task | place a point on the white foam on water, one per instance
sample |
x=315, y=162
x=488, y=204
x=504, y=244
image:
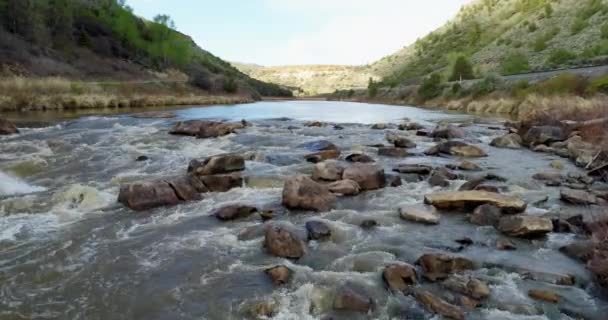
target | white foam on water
x=496, y=314
x=26, y=225
x=10, y=185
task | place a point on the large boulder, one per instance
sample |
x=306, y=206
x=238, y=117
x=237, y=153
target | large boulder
x=345, y=187
x=301, y=192
x=147, y=195
x=283, y=242
x=419, y=213
x=219, y=164
x=187, y=188
x=457, y=148
x=448, y=132
x=222, y=182
x=525, y=226
x=233, y=212
x=437, y=266
x=439, y=306
x=399, y=141
x=486, y=215
x=473, y=199
x=329, y=170
x=544, y=135
x=349, y=298
x=204, y=128
x=509, y=141
x=398, y=277
x=368, y=176
x=7, y=127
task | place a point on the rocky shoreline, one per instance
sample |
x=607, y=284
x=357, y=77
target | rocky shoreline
x=335, y=175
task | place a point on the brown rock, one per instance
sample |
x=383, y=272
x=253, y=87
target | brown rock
x=281, y=242
x=399, y=277
x=329, y=170
x=505, y=245
x=464, y=199
x=219, y=164
x=544, y=135
x=322, y=156
x=419, y=213
x=147, y=195
x=379, y=126
x=393, y=180
x=351, y=299
x=415, y=168
x=368, y=176
x=345, y=187
x=439, y=306
x=205, y=129
x=438, y=266
x=457, y=148
x=509, y=141
x=525, y=226
x=318, y=230
x=393, y=152
x=7, y=127
x=301, y=192
x=471, y=287
x=279, y=275
x=187, y=188
x=233, y=212
x=319, y=145
x=544, y=295
x=578, y=197
x=468, y=166
x=222, y=182
x=359, y=157
x=447, y=132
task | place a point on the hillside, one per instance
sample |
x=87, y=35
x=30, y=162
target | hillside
x=506, y=37
x=311, y=79
x=103, y=40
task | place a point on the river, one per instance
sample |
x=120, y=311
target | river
x=69, y=251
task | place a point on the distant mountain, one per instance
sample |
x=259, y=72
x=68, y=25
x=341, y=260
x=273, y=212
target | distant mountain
x=103, y=40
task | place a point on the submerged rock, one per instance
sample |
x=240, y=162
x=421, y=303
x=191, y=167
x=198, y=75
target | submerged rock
x=368, y=176
x=319, y=145
x=283, y=242
x=393, y=152
x=318, y=230
x=544, y=295
x=419, y=213
x=438, y=266
x=219, y=164
x=359, y=157
x=301, y=192
x=525, y=226
x=471, y=287
x=399, y=277
x=349, y=298
x=7, y=127
x=345, y=187
x=509, y=141
x=448, y=132
x=472, y=199
x=279, y=275
x=233, y=212
x=439, y=306
x=322, y=156
x=329, y=170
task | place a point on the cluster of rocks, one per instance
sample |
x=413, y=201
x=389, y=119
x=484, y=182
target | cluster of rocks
x=205, y=128
x=7, y=127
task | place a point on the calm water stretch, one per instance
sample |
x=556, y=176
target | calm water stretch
x=69, y=251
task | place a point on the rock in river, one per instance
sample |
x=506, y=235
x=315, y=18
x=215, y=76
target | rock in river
x=399, y=276
x=345, y=187
x=471, y=287
x=319, y=145
x=329, y=170
x=438, y=266
x=222, y=182
x=393, y=152
x=322, y=156
x=457, y=148
x=318, y=230
x=525, y=226
x=472, y=199
x=279, y=275
x=205, y=129
x=486, y=215
x=578, y=197
x=147, y=195
x=439, y=306
x=419, y=213
x=359, y=157
x=7, y=127
x=301, y=192
x=352, y=299
x=368, y=176
x=219, y=164
x=509, y=141
x=544, y=135
x=283, y=242
x=448, y=132
x=544, y=295
x=233, y=212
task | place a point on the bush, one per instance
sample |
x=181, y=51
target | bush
x=230, y=86
x=579, y=25
x=372, y=88
x=600, y=49
x=565, y=83
x=461, y=70
x=201, y=80
x=515, y=62
x=431, y=87
x=532, y=27
x=559, y=57
x=604, y=31
x=599, y=85
x=486, y=86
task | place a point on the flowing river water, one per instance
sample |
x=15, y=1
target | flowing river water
x=69, y=251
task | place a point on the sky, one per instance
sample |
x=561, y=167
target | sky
x=299, y=32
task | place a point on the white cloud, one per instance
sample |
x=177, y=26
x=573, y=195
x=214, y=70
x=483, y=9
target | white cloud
x=357, y=31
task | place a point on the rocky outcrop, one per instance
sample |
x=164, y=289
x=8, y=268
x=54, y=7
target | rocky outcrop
x=349, y=298
x=419, y=213
x=329, y=170
x=318, y=230
x=283, y=242
x=368, y=176
x=399, y=277
x=233, y=212
x=7, y=127
x=525, y=226
x=345, y=187
x=218, y=164
x=205, y=129
x=437, y=266
x=279, y=275
x=473, y=199
x=544, y=135
x=439, y=306
x=301, y=192
x=509, y=141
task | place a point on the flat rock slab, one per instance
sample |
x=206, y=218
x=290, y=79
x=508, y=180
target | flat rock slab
x=205, y=128
x=419, y=213
x=439, y=306
x=525, y=226
x=472, y=199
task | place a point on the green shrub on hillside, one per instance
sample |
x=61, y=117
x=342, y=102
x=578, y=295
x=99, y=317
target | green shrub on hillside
x=548, y=10
x=560, y=57
x=579, y=25
x=489, y=84
x=372, y=88
x=599, y=85
x=600, y=49
x=431, y=87
x=604, y=31
x=461, y=69
x=541, y=42
x=230, y=86
x=532, y=27
x=565, y=83
x=515, y=62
